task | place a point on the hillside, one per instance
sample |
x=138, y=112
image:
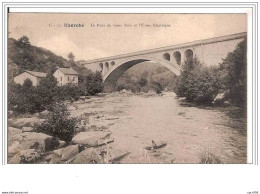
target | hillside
x=28, y=57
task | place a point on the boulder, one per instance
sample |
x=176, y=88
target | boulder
x=29, y=156
x=219, y=99
x=90, y=138
x=88, y=156
x=51, y=143
x=58, y=152
x=156, y=145
x=151, y=92
x=14, y=148
x=105, y=141
x=115, y=155
x=31, y=140
x=27, y=122
x=69, y=152
x=25, y=156
x=27, y=129
x=15, y=159
x=53, y=159
x=12, y=133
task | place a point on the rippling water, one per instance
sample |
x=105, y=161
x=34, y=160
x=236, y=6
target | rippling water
x=193, y=134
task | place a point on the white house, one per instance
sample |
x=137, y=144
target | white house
x=66, y=76
x=35, y=77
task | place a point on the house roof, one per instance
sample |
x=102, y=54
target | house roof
x=36, y=74
x=68, y=71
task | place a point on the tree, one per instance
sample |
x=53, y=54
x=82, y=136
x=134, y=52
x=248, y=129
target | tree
x=23, y=42
x=71, y=56
x=236, y=78
x=23, y=55
x=197, y=83
x=48, y=90
x=92, y=83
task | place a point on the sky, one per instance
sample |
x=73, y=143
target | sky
x=105, y=35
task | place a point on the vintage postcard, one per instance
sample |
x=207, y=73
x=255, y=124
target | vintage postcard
x=127, y=88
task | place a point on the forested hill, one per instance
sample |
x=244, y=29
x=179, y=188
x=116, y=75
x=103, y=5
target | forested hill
x=29, y=57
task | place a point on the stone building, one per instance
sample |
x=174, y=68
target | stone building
x=34, y=76
x=66, y=76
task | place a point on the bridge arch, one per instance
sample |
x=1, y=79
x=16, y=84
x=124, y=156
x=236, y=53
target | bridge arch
x=112, y=63
x=188, y=54
x=167, y=56
x=100, y=67
x=117, y=70
x=177, y=57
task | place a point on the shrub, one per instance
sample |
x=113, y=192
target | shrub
x=92, y=83
x=67, y=92
x=197, y=83
x=143, y=82
x=58, y=124
x=235, y=80
x=24, y=99
x=157, y=87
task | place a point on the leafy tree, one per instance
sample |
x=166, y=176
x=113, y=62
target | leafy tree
x=58, y=124
x=71, y=56
x=197, y=83
x=92, y=83
x=236, y=78
x=48, y=90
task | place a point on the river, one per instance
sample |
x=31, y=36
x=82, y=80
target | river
x=193, y=134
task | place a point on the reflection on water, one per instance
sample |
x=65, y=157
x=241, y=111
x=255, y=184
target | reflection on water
x=192, y=133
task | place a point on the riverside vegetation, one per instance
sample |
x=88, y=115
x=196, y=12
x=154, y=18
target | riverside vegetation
x=41, y=129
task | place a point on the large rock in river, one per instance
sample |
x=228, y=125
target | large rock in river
x=12, y=132
x=88, y=156
x=69, y=152
x=27, y=122
x=25, y=156
x=91, y=138
x=29, y=140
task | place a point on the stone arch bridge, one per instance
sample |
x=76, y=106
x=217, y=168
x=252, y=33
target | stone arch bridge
x=209, y=51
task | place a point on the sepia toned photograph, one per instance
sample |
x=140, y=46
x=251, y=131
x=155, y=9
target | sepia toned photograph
x=127, y=88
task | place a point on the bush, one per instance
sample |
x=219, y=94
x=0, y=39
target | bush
x=197, y=83
x=157, y=87
x=235, y=80
x=92, y=83
x=58, y=124
x=24, y=99
x=31, y=99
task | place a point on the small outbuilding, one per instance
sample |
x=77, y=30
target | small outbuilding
x=66, y=76
x=34, y=76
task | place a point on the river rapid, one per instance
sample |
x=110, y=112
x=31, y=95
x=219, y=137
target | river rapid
x=194, y=134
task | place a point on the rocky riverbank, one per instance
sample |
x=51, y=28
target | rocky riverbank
x=91, y=143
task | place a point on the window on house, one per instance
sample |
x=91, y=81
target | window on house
x=68, y=78
x=60, y=78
